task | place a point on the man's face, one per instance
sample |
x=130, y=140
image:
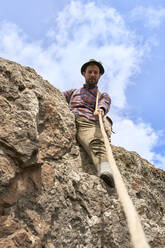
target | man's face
x=92, y=74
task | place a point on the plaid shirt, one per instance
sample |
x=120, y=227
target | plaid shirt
x=82, y=101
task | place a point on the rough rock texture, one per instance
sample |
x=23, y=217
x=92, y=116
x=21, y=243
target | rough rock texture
x=50, y=195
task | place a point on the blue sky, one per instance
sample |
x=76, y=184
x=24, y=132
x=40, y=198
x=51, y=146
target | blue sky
x=56, y=37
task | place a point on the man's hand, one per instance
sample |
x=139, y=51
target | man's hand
x=97, y=112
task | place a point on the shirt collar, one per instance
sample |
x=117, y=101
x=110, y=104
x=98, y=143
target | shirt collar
x=93, y=89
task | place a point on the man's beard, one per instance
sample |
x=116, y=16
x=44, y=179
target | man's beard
x=90, y=85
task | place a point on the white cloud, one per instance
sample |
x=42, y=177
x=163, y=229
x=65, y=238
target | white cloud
x=135, y=137
x=87, y=31
x=139, y=137
x=14, y=45
x=82, y=32
x=160, y=161
x=151, y=17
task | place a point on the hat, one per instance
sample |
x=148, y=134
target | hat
x=93, y=61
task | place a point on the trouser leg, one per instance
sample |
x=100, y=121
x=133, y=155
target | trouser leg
x=90, y=137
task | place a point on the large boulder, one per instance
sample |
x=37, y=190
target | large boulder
x=50, y=195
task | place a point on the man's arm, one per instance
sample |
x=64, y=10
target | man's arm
x=68, y=94
x=104, y=103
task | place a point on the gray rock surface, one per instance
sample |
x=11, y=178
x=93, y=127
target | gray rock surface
x=50, y=195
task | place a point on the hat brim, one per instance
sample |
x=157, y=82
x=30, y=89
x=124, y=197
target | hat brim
x=84, y=66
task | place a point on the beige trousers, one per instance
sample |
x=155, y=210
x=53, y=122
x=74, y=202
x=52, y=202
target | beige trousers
x=90, y=137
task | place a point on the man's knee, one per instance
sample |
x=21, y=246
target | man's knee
x=97, y=146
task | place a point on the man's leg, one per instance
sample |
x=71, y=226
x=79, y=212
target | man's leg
x=90, y=137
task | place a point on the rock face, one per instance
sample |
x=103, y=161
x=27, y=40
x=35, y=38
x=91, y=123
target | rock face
x=50, y=195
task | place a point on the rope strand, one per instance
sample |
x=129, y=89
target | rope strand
x=135, y=228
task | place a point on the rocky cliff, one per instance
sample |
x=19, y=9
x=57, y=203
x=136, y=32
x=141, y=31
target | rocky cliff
x=50, y=195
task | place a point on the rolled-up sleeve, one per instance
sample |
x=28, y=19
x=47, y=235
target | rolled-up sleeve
x=68, y=94
x=104, y=102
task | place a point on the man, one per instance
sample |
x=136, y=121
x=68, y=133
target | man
x=82, y=103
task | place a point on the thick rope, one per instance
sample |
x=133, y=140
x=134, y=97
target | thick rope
x=135, y=228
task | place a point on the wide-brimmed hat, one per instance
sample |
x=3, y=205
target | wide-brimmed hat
x=92, y=61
